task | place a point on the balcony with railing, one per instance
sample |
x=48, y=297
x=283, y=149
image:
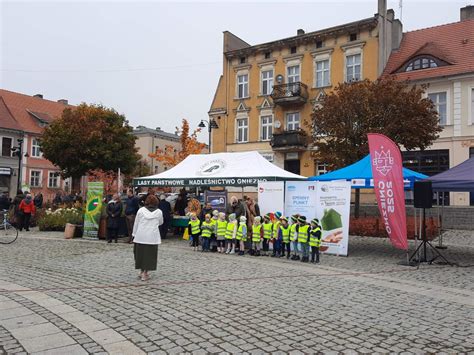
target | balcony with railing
x=290, y=94
x=289, y=141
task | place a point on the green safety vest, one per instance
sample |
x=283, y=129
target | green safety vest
x=195, y=226
x=267, y=230
x=240, y=232
x=207, y=229
x=285, y=232
x=314, y=240
x=229, y=233
x=221, y=228
x=293, y=232
x=303, y=233
x=256, y=233
x=276, y=228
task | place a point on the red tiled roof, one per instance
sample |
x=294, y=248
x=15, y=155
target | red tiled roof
x=452, y=43
x=6, y=118
x=24, y=108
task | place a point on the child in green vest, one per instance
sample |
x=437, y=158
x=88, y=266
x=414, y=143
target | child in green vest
x=294, y=236
x=221, y=227
x=284, y=236
x=277, y=243
x=315, y=239
x=207, y=228
x=303, y=236
x=257, y=235
x=267, y=227
x=194, y=230
x=230, y=233
x=241, y=236
x=213, y=243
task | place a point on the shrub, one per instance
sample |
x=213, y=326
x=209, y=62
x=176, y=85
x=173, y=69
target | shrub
x=56, y=220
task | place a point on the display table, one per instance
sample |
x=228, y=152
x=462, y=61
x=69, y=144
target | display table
x=179, y=221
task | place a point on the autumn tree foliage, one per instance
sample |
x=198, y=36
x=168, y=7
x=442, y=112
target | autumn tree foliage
x=90, y=137
x=395, y=109
x=109, y=178
x=170, y=157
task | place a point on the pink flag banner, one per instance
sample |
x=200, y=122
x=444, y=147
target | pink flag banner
x=386, y=162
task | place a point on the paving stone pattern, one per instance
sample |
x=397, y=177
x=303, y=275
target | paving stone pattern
x=208, y=303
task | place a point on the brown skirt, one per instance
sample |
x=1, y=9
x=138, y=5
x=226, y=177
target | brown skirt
x=146, y=256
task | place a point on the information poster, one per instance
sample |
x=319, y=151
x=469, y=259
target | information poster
x=271, y=196
x=95, y=191
x=333, y=211
x=217, y=199
x=300, y=198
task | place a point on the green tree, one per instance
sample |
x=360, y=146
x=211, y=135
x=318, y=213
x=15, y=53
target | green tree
x=90, y=137
x=399, y=111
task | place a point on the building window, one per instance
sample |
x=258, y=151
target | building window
x=267, y=127
x=243, y=60
x=267, y=82
x=53, y=180
x=320, y=168
x=292, y=121
x=293, y=50
x=319, y=44
x=353, y=37
x=322, y=73
x=353, y=68
x=421, y=63
x=268, y=55
x=293, y=74
x=440, y=103
x=7, y=144
x=243, y=85
x=35, y=178
x=242, y=130
x=472, y=106
x=35, y=148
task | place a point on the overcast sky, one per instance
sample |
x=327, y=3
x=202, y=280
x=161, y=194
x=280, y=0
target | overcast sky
x=159, y=61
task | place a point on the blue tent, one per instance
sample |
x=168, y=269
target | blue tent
x=360, y=173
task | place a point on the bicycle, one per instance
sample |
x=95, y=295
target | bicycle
x=8, y=233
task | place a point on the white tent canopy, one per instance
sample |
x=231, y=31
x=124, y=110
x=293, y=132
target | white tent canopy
x=219, y=169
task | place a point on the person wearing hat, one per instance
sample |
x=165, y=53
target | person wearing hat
x=231, y=231
x=267, y=227
x=315, y=239
x=194, y=229
x=241, y=236
x=221, y=228
x=207, y=228
x=294, y=236
x=276, y=231
x=257, y=235
x=303, y=236
x=284, y=236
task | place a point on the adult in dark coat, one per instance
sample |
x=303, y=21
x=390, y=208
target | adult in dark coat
x=15, y=208
x=114, y=210
x=165, y=208
x=38, y=200
x=131, y=209
x=207, y=209
x=235, y=207
x=4, y=202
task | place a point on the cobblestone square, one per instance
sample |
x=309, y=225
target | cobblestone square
x=76, y=297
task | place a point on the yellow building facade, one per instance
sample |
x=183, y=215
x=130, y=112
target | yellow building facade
x=267, y=92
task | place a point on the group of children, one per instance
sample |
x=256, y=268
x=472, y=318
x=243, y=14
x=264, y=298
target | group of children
x=292, y=238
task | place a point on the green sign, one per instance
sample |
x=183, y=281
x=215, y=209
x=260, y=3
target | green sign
x=92, y=214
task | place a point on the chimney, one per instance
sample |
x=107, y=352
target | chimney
x=158, y=128
x=39, y=96
x=63, y=101
x=467, y=12
x=300, y=32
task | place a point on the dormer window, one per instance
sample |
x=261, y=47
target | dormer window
x=422, y=62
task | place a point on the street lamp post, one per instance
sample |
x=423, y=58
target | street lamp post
x=19, y=151
x=211, y=124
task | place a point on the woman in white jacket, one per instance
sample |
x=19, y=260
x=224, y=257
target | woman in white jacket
x=146, y=236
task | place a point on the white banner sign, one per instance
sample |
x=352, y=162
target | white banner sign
x=333, y=212
x=271, y=196
x=300, y=198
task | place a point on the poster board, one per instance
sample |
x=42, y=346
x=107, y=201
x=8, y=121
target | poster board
x=217, y=199
x=300, y=198
x=95, y=191
x=271, y=197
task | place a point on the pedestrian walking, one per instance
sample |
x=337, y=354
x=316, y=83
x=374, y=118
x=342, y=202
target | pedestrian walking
x=315, y=240
x=27, y=210
x=114, y=210
x=146, y=237
x=303, y=237
x=132, y=205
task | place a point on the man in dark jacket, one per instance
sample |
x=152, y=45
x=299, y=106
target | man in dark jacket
x=114, y=210
x=131, y=209
x=206, y=210
x=235, y=207
x=165, y=207
x=38, y=200
x=4, y=201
